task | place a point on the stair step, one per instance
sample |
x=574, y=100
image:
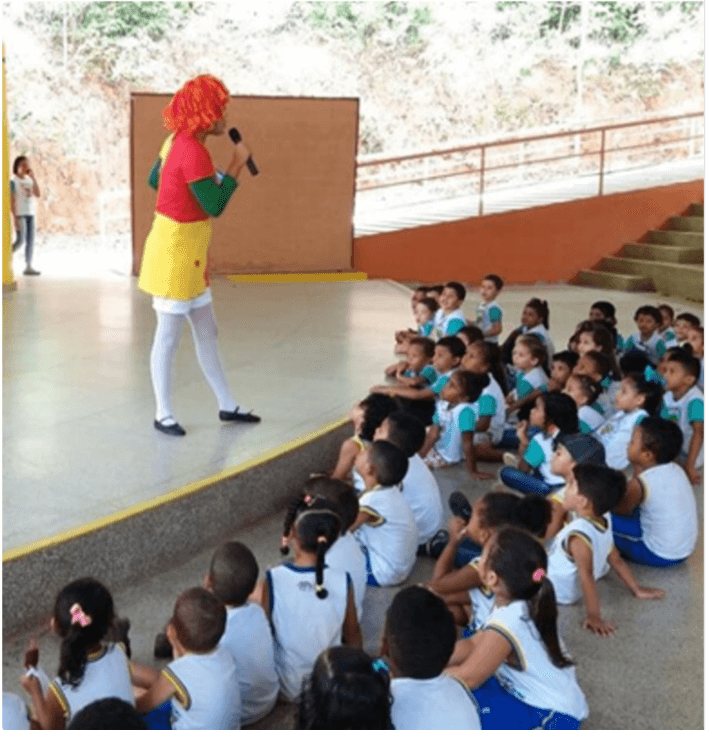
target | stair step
x=696, y=209
x=612, y=280
x=660, y=252
x=686, y=223
x=687, y=239
x=685, y=281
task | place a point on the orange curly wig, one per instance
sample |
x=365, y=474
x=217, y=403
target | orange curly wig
x=198, y=104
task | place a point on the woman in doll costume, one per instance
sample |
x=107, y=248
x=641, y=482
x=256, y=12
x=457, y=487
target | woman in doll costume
x=175, y=258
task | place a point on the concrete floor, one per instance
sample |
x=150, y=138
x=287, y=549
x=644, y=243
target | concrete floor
x=79, y=357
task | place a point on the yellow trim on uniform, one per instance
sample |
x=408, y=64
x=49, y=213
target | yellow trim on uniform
x=581, y=536
x=298, y=278
x=379, y=519
x=173, y=496
x=60, y=697
x=359, y=441
x=514, y=641
x=181, y=693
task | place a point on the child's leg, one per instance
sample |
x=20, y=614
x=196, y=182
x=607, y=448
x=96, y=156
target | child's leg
x=29, y=247
x=20, y=233
x=466, y=552
x=525, y=483
x=627, y=536
x=164, y=347
x=205, y=333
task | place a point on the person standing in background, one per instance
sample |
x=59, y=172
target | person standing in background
x=23, y=191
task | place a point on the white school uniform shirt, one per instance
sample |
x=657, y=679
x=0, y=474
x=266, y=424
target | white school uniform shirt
x=390, y=537
x=346, y=555
x=561, y=568
x=15, y=713
x=615, y=435
x=25, y=201
x=589, y=419
x=482, y=602
x=207, y=694
x=304, y=625
x=453, y=421
x=249, y=640
x=685, y=411
x=701, y=377
x=654, y=347
x=539, y=456
x=538, y=683
x=543, y=333
x=492, y=403
x=421, y=704
x=448, y=324
x=668, y=513
x=107, y=674
x=605, y=403
x=421, y=492
x=487, y=314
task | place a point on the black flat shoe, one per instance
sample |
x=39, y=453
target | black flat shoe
x=174, y=430
x=460, y=506
x=239, y=416
x=162, y=647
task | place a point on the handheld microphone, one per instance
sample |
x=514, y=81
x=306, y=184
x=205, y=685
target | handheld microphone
x=234, y=134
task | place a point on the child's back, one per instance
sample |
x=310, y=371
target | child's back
x=345, y=555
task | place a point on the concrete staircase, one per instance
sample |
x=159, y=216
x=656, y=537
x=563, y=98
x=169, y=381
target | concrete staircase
x=670, y=262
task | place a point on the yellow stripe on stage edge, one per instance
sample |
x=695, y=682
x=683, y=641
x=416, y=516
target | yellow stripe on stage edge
x=173, y=496
x=298, y=278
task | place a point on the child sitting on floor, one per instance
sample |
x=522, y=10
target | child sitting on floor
x=666, y=330
x=450, y=438
x=528, y=358
x=597, y=366
x=450, y=318
x=469, y=334
x=232, y=577
x=636, y=398
x=553, y=413
x=584, y=391
x=489, y=315
x=305, y=598
x=682, y=324
x=695, y=341
x=684, y=404
x=385, y=525
x=562, y=365
x=416, y=371
x=656, y=522
x=647, y=339
x=604, y=312
x=418, y=640
x=424, y=314
x=200, y=687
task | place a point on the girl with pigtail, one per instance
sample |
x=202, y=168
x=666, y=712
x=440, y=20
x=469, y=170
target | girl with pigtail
x=518, y=652
x=89, y=669
x=310, y=606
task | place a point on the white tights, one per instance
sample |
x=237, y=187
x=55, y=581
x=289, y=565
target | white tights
x=166, y=341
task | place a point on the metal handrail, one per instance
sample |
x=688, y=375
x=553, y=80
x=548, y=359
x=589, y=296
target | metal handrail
x=482, y=147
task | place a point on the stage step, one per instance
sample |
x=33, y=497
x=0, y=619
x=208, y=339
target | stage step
x=660, y=252
x=687, y=239
x=675, y=280
x=612, y=280
x=687, y=223
x=696, y=209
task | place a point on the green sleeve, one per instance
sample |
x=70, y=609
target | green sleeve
x=213, y=197
x=467, y=420
x=534, y=455
x=154, y=174
x=695, y=411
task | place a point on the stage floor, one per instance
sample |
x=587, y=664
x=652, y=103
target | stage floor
x=78, y=441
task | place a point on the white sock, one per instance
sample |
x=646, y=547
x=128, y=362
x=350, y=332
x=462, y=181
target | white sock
x=166, y=341
x=205, y=333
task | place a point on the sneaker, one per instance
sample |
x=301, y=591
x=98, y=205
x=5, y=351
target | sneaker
x=460, y=506
x=510, y=459
x=436, y=545
x=29, y=271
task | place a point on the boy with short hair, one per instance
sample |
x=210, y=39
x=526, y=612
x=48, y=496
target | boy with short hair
x=656, y=521
x=647, y=339
x=417, y=371
x=695, y=340
x=385, y=526
x=562, y=364
x=682, y=324
x=684, y=404
x=449, y=319
x=583, y=550
x=489, y=315
x=418, y=640
x=232, y=577
x=202, y=681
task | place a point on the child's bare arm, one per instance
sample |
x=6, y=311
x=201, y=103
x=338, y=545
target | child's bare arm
x=46, y=709
x=143, y=675
x=556, y=522
x=495, y=329
x=404, y=391
x=412, y=382
x=431, y=438
x=445, y=562
x=156, y=695
x=583, y=557
x=361, y=519
x=697, y=440
x=482, y=424
x=480, y=658
x=625, y=574
x=469, y=454
x=529, y=398
x=351, y=627
x=634, y=496
x=346, y=457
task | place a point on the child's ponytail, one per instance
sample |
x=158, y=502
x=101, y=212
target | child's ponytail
x=295, y=506
x=83, y=613
x=542, y=308
x=321, y=548
x=543, y=610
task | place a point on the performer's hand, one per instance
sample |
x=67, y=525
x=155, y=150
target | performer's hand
x=240, y=157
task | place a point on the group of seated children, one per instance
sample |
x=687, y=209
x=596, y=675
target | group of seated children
x=608, y=440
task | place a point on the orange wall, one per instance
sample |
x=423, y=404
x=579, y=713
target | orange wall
x=550, y=243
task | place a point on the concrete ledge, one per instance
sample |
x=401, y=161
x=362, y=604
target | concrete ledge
x=659, y=252
x=688, y=239
x=612, y=280
x=135, y=549
x=687, y=223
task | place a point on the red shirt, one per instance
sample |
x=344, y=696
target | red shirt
x=187, y=161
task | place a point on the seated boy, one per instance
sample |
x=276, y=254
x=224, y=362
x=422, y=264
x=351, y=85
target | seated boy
x=385, y=526
x=647, y=339
x=682, y=324
x=489, y=315
x=418, y=640
x=583, y=550
x=200, y=687
x=695, y=340
x=232, y=578
x=656, y=521
x=684, y=404
x=562, y=364
x=450, y=318
x=419, y=486
x=416, y=371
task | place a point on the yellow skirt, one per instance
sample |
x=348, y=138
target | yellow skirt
x=174, y=258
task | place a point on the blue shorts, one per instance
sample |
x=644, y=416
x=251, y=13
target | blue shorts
x=627, y=536
x=500, y=710
x=372, y=581
x=160, y=718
